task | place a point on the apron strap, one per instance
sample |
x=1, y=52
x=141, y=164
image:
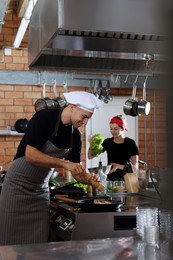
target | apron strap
x=56, y=130
x=56, y=126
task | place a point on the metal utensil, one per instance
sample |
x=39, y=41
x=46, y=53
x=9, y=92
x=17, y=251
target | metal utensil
x=108, y=96
x=100, y=91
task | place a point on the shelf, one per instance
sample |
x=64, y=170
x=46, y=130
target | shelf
x=9, y=132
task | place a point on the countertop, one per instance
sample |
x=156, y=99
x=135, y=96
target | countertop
x=101, y=249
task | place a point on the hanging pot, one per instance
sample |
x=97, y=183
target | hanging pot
x=21, y=125
x=143, y=105
x=131, y=105
x=44, y=102
x=60, y=102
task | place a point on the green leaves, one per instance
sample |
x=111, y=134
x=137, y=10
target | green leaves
x=78, y=184
x=54, y=182
x=96, y=145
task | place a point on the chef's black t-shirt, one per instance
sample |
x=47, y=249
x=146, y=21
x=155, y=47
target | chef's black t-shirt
x=40, y=129
x=119, y=153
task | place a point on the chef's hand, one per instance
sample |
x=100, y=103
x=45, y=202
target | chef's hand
x=75, y=168
x=79, y=172
x=81, y=177
x=115, y=166
x=90, y=139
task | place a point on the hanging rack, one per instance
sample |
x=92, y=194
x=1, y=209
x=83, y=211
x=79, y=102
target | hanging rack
x=136, y=79
x=125, y=81
x=54, y=88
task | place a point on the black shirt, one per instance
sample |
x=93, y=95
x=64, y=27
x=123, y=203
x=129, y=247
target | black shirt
x=40, y=129
x=120, y=154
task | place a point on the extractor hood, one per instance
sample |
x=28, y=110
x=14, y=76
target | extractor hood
x=104, y=36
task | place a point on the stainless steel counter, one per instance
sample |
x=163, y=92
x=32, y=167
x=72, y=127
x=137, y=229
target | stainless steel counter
x=101, y=249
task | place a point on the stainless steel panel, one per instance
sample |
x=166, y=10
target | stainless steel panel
x=94, y=35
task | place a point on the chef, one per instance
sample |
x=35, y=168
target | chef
x=52, y=140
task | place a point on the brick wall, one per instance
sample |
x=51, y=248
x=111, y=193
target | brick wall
x=18, y=102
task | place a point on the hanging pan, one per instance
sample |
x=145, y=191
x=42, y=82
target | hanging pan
x=94, y=204
x=44, y=102
x=143, y=105
x=131, y=105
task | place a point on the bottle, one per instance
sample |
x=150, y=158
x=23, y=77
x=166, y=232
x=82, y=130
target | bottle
x=103, y=177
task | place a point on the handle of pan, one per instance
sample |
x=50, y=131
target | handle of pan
x=54, y=89
x=65, y=86
x=44, y=89
x=144, y=88
x=57, y=197
x=134, y=91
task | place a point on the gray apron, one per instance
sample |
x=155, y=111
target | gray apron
x=25, y=200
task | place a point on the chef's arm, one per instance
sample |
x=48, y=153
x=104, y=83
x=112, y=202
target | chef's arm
x=38, y=158
x=135, y=163
x=116, y=166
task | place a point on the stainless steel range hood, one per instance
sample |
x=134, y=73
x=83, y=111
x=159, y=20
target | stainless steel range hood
x=112, y=36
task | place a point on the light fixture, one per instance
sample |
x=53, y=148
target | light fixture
x=24, y=23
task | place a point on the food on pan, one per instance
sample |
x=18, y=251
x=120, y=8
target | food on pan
x=101, y=202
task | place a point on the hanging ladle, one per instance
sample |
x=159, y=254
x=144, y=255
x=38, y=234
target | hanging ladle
x=108, y=96
x=100, y=91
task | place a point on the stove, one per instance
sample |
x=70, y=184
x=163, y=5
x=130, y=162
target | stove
x=68, y=222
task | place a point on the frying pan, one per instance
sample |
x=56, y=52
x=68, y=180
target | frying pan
x=88, y=205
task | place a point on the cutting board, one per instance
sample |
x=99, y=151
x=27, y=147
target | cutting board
x=131, y=182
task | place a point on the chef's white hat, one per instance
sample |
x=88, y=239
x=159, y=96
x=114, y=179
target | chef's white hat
x=84, y=100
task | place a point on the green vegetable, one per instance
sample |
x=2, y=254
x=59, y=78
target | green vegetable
x=96, y=145
x=78, y=184
x=54, y=182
